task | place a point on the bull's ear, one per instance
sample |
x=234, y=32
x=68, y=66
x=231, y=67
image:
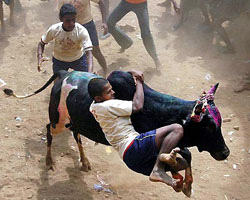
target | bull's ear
x=198, y=112
x=213, y=89
x=198, y=109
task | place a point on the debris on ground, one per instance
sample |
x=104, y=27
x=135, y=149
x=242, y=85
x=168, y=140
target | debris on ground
x=226, y=120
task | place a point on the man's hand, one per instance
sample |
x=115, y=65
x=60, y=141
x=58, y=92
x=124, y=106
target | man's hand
x=137, y=75
x=41, y=59
x=105, y=28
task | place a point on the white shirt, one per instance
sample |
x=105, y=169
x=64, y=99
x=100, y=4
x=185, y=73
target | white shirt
x=69, y=46
x=114, y=119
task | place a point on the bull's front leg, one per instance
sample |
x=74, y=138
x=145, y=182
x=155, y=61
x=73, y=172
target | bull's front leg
x=49, y=161
x=85, y=162
x=187, y=185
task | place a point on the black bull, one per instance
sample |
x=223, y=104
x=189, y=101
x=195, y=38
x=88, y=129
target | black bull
x=69, y=108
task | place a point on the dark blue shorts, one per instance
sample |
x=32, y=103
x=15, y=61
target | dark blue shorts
x=78, y=65
x=141, y=154
x=90, y=26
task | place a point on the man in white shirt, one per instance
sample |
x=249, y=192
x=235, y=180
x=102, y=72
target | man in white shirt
x=72, y=44
x=146, y=153
x=84, y=17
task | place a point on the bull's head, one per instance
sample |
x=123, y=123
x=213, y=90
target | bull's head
x=205, y=121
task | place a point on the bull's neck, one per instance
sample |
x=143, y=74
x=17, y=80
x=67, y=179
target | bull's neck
x=172, y=110
x=169, y=106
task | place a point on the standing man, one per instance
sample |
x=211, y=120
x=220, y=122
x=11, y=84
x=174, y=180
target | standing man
x=72, y=44
x=140, y=8
x=84, y=17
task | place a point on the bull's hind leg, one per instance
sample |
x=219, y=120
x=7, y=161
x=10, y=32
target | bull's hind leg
x=49, y=161
x=85, y=162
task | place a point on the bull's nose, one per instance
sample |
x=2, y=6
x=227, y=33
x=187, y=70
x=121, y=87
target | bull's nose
x=221, y=155
x=226, y=153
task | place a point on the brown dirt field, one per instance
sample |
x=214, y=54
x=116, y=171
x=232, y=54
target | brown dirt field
x=187, y=56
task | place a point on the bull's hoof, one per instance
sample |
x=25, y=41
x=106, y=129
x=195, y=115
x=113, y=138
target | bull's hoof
x=86, y=165
x=50, y=164
x=187, y=190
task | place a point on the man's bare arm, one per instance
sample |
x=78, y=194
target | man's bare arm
x=138, y=100
x=103, y=10
x=90, y=61
x=40, y=50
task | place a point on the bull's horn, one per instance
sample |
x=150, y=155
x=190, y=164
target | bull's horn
x=213, y=89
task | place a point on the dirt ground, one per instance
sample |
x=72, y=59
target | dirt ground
x=191, y=63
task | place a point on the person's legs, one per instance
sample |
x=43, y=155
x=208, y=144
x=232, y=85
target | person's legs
x=90, y=26
x=166, y=140
x=141, y=11
x=1, y=17
x=116, y=15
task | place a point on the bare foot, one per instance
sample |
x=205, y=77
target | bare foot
x=170, y=158
x=161, y=176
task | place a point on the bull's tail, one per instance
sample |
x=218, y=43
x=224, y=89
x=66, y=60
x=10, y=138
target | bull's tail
x=10, y=92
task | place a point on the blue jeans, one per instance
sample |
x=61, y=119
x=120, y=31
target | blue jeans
x=141, y=11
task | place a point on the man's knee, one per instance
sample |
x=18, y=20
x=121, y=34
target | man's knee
x=178, y=129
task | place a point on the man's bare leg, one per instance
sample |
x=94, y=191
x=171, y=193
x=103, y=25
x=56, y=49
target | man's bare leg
x=166, y=139
x=100, y=58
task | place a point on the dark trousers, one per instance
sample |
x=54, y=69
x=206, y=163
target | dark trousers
x=141, y=11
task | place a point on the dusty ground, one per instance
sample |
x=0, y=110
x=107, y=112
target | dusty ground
x=191, y=62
